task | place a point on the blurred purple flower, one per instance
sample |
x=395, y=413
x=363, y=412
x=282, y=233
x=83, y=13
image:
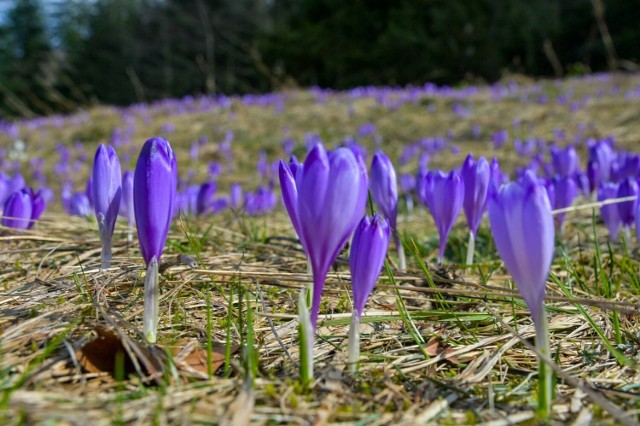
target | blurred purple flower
x=443, y=194
x=610, y=213
x=627, y=188
x=476, y=177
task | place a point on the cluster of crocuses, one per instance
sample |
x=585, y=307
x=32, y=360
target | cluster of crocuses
x=325, y=198
x=147, y=196
x=21, y=205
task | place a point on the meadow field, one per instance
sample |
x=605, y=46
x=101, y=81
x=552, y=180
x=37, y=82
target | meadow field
x=440, y=343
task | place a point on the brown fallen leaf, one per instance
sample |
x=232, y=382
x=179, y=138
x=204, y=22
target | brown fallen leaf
x=101, y=355
x=433, y=346
x=196, y=360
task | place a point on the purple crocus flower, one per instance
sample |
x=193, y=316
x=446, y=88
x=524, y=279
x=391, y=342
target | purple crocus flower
x=601, y=157
x=522, y=227
x=476, y=177
x=154, y=190
x=443, y=194
x=368, y=250
x=17, y=210
x=610, y=213
x=627, y=188
x=332, y=192
x=384, y=191
x=107, y=192
x=126, y=204
x=38, y=205
x=564, y=161
x=565, y=190
x=235, y=196
x=205, y=197
x=499, y=138
x=78, y=205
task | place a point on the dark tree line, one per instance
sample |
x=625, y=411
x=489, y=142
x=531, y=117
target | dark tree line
x=74, y=52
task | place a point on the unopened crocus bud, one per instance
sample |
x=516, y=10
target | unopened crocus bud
x=126, y=204
x=78, y=205
x=366, y=257
x=610, y=212
x=154, y=190
x=384, y=191
x=564, y=161
x=477, y=178
x=17, y=210
x=627, y=188
x=107, y=192
x=368, y=250
x=205, y=197
x=235, y=196
x=522, y=227
x=443, y=194
x=565, y=190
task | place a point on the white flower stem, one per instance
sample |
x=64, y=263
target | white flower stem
x=105, y=239
x=151, y=301
x=545, y=379
x=305, y=340
x=471, y=248
x=353, y=346
x=402, y=260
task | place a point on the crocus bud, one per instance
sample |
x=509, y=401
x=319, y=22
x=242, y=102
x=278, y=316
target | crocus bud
x=126, y=205
x=78, y=205
x=384, y=187
x=601, y=157
x=565, y=190
x=205, y=197
x=628, y=188
x=332, y=192
x=17, y=210
x=107, y=192
x=610, y=212
x=368, y=250
x=443, y=194
x=155, y=184
x=476, y=177
x=522, y=227
x=564, y=161
x=154, y=189
x=235, y=196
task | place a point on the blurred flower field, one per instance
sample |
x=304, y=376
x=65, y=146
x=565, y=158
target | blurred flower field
x=440, y=343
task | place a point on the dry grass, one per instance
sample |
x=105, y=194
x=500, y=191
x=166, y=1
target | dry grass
x=451, y=353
